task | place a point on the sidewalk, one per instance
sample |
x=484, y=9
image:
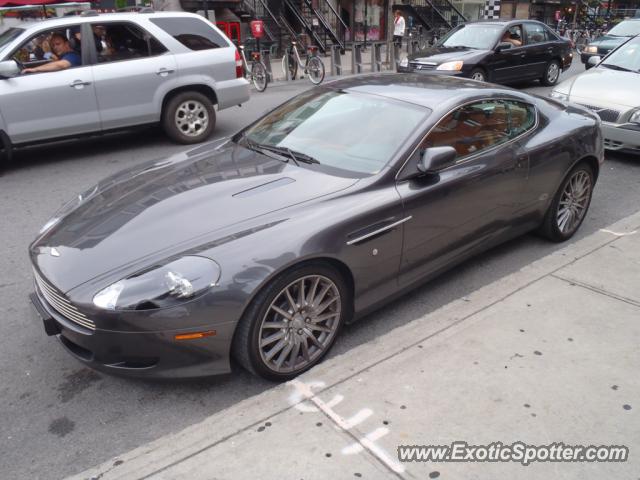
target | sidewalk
x=547, y=354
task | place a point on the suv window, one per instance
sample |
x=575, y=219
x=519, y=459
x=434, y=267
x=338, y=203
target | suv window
x=193, y=33
x=535, y=33
x=472, y=128
x=124, y=41
x=40, y=48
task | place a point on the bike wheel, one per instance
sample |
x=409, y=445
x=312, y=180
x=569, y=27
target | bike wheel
x=315, y=69
x=259, y=76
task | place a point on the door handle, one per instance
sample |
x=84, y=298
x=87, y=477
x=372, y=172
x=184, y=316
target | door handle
x=163, y=72
x=79, y=84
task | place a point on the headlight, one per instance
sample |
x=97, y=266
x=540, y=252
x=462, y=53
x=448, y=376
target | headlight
x=451, y=66
x=404, y=62
x=591, y=49
x=162, y=286
x=68, y=208
x=559, y=95
x=635, y=117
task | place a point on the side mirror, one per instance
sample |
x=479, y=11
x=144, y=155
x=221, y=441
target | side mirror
x=437, y=158
x=9, y=68
x=593, y=61
x=503, y=46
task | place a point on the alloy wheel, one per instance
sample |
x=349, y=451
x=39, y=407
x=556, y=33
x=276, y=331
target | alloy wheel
x=574, y=202
x=553, y=73
x=300, y=324
x=191, y=118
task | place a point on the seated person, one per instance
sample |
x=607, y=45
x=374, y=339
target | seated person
x=509, y=38
x=66, y=56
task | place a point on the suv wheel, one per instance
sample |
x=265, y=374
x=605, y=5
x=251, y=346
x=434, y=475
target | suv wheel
x=188, y=118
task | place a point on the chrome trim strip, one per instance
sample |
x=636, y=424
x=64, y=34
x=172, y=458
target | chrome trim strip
x=61, y=304
x=380, y=230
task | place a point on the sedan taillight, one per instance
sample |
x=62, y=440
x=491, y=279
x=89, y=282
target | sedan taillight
x=239, y=69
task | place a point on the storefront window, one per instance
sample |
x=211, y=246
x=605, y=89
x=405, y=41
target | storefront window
x=365, y=17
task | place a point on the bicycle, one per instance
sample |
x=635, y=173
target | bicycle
x=313, y=66
x=257, y=72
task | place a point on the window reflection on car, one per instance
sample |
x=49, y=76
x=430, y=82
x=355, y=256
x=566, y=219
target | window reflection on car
x=625, y=58
x=473, y=36
x=348, y=131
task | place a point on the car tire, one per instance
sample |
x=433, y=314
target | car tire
x=278, y=348
x=478, y=74
x=551, y=73
x=188, y=117
x=570, y=204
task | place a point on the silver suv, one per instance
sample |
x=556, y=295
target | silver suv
x=78, y=75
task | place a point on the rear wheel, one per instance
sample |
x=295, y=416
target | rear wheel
x=551, y=73
x=189, y=118
x=259, y=76
x=570, y=205
x=315, y=68
x=293, y=322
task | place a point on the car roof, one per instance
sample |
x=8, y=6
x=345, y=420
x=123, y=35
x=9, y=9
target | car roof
x=426, y=90
x=504, y=23
x=98, y=17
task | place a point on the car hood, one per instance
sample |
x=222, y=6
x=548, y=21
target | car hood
x=608, y=42
x=589, y=88
x=445, y=54
x=171, y=206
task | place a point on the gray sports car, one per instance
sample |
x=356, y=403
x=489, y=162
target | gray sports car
x=262, y=246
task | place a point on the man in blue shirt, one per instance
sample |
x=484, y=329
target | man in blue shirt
x=66, y=56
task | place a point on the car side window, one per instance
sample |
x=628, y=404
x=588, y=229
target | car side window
x=522, y=117
x=534, y=33
x=124, y=41
x=472, y=128
x=193, y=33
x=40, y=49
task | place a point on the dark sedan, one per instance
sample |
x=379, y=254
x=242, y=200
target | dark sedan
x=496, y=51
x=614, y=38
x=263, y=245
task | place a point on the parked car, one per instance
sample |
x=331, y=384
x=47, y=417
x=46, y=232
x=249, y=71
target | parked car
x=263, y=245
x=133, y=68
x=611, y=91
x=614, y=38
x=496, y=51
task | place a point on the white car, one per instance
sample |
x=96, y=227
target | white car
x=612, y=90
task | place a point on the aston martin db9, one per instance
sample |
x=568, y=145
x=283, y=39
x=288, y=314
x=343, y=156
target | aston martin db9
x=263, y=245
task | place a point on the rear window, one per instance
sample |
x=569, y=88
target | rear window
x=192, y=33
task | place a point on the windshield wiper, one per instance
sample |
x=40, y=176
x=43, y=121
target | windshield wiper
x=616, y=67
x=293, y=155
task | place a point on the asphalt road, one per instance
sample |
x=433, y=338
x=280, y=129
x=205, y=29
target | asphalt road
x=60, y=418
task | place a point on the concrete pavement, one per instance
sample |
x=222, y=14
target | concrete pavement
x=546, y=354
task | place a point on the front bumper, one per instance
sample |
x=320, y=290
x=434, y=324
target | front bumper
x=619, y=138
x=433, y=71
x=140, y=354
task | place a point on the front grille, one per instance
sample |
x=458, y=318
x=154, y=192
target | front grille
x=605, y=114
x=422, y=66
x=61, y=304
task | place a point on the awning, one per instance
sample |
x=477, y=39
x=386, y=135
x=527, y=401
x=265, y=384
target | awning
x=33, y=3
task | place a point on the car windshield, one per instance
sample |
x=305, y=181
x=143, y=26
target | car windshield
x=478, y=36
x=9, y=35
x=627, y=57
x=352, y=132
x=626, y=29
